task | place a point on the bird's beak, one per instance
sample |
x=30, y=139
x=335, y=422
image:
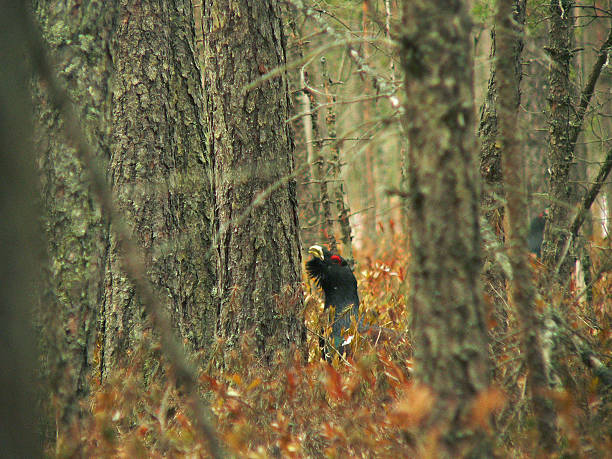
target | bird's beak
x=316, y=251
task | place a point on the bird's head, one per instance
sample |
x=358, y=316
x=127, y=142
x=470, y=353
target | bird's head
x=331, y=272
x=326, y=256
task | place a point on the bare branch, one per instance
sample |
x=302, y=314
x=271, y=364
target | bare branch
x=587, y=92
x=585, y=206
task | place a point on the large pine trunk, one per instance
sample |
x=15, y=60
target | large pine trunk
x=131, y=69
x=258, y=246
x=159, y=172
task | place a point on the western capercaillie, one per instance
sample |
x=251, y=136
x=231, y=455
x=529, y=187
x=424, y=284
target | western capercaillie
x=332, y=273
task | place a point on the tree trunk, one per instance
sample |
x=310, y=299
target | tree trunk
x=369, y=165
x=77, y=234
x=490, y=154
x=159, y=172
x=257, y=224
x=491, y=170
x=334, y=170
x=450, y=333
x=522, y=287
x=560, y=148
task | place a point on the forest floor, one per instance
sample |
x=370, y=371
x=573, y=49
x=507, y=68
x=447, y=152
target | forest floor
x=365, y=406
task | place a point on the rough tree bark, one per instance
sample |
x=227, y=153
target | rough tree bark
x=159, y=172
x=560, y=147
x=449, y=327
x=491, y=168
x=490, y=154
x=77, y=35
x=258, y=246
x=513, y=160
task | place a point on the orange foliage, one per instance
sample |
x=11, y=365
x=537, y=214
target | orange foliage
x=366, y=406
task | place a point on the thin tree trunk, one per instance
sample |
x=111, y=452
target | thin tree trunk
x=335, y=168
x=522, y=287
x=491, y=171
x=490, y=155
x=561, y=148
x=323, y=176
x=259, y=264
x=317, y=186
x=370, y=164
x=446, y=299
x=310, y=133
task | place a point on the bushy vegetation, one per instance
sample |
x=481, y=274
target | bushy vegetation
x=366, y=406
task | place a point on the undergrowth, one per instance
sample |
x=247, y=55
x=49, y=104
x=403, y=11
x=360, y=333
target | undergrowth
x=366, y=406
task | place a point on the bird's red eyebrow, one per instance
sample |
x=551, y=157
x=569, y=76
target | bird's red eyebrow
x=336, y=259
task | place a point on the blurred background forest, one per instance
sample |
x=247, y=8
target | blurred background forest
x=367, y=96
x=190, y=154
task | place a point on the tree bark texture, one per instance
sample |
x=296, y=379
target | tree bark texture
x=491, y=160
x=449, y=326
x=159, y=172
x=258, y=245
x=490, y=154
x=77, y=36
x=561, y=148
x=509, y=32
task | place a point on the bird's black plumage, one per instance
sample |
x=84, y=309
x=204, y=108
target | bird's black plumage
x=536, y=233
x=333, y=274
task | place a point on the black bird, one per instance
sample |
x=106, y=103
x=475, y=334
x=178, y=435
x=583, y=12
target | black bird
x=536, y=233
x=333, y=274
